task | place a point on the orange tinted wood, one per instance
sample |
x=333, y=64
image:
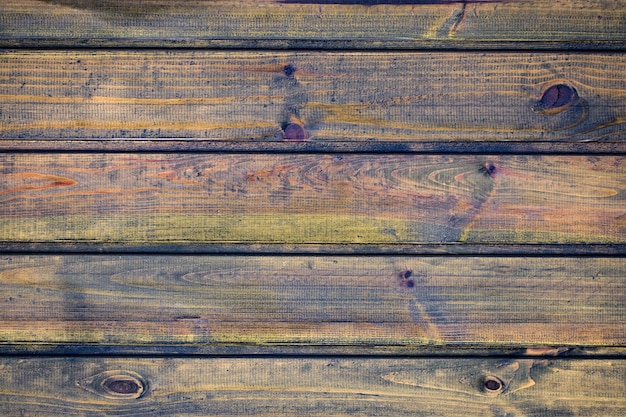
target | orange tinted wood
x=296, y=97
x=311, y=199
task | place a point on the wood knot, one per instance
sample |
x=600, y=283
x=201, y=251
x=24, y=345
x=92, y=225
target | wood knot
x=555, y=99
x=123, y=386
x=116, y=385
x=492, y=385
x=295, y=132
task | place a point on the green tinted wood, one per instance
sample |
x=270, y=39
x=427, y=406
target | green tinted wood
x=311, y=23
x=315, y=199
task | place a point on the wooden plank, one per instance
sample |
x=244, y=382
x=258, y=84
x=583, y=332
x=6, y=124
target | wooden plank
x=313, y=96
x=312, y=387
x=315, y=23
x=426, y=303
x=317, y=199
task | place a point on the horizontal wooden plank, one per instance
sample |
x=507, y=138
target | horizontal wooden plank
x=426, y=303
x=317, y=199
x=314, y=23
x=312, y=387
x=313, y=96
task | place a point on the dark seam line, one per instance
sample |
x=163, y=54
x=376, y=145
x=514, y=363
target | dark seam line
x=270, y=151
x=289, y=254
x=495, y=48
x=425, y=356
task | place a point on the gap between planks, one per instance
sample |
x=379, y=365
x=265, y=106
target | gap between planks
x=204, y=145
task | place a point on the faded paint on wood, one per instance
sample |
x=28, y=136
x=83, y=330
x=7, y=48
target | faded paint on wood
x=311, y=199
x=428, y=303
x=312, y=387
x=314, y=23
x=313, y=96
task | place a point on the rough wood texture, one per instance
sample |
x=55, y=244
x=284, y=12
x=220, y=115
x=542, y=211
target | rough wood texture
x=311, y=198
x=146, y=154
x=313, y=96
x=315, y=23
x=428, y=303
x=312, y=387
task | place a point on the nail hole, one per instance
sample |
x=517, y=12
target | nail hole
x=405, y=279
x=492, y=385
x=294, y=132
x=289, y=70
x=556, y=99
x=489, y=169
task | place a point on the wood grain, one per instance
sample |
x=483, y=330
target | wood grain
x=217, y=126
x=315, y=199
x=326, y=96
x=312, y=23
x=426, y=303
x=312, y=387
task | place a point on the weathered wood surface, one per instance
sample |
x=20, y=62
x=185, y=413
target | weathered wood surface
x=315, y=23
x=312, y=387
x=311, y=199
x=313, y=96
x=168, y=149
x=428, y=303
